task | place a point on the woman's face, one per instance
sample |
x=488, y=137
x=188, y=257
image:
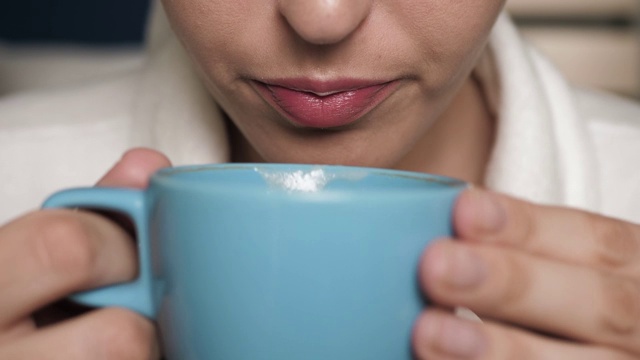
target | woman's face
x=355, y=82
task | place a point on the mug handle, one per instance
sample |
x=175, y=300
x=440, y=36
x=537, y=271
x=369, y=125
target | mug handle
x=138, y=294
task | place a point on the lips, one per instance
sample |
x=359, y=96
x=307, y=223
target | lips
x=332, y=104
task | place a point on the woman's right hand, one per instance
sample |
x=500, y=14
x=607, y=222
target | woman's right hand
x=48, y=254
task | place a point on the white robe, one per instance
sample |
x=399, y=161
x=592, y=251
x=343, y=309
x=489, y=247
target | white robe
x=555, y=144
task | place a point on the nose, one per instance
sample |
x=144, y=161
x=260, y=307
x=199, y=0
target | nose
x=324, y=21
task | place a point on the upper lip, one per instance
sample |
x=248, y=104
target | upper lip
x=323, y=87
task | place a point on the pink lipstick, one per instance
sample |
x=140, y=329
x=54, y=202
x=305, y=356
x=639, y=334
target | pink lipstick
x=324, y=104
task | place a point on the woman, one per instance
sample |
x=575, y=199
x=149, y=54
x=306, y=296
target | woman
x=405, y=84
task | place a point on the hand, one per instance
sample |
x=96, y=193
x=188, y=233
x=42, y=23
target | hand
x=548, y=282
x=48, y=254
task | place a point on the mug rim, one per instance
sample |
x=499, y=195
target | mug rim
x=169, y=173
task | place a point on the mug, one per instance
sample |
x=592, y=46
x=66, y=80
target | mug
x=277, y=261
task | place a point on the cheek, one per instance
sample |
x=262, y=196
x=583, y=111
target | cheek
x=448, y=35
x=218, y=34
x=221, y=37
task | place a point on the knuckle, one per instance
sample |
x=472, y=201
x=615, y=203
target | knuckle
x=62, y=245
x=515, y=345
x=524, y=223
x=516, y=284
x=616, y=242
x=125, y=335
x=620, y=309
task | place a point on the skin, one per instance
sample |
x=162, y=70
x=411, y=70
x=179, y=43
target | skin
x=429, y=46
x=46, y=255
x=566, y=281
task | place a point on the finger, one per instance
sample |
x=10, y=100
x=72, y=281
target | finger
x=560, y=233
x=550, y=296
x=48, y=254
x=134, y=169
x=102, y=334
x=17, y=330
x=440, y=335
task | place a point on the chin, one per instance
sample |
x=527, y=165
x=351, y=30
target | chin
x=332, y=158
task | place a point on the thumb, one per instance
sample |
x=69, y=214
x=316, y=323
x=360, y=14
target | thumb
x=134, y=169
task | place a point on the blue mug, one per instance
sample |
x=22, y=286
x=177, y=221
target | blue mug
x=277, y=261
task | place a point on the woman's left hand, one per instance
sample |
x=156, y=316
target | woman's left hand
x=548, y=282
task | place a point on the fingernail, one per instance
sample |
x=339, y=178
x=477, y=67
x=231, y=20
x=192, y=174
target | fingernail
x=490, y=214
x=455, y=337
x=460, y=267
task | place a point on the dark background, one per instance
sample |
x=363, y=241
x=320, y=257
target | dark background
x=97, y=22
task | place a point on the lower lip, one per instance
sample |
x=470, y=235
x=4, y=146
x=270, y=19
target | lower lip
x=311, y=110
